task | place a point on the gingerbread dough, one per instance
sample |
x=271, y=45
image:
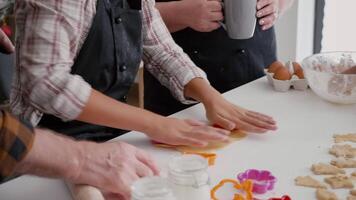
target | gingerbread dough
x=353, y=192
x=344, y=163
x=323, y=194
x=339, y=181
x=351, y=198
x=326, y=169
x=346, y=151
x=350, y=137
x=308, y=181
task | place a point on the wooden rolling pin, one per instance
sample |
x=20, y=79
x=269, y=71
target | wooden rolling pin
x=85, y=192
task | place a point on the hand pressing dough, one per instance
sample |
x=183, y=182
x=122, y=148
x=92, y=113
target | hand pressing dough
x=346, y=151
x=339, y=181
x=350, y=137
x=308, y=181
x=344, y=163
x=326, y=169
x=235, y=135
x=323, y=194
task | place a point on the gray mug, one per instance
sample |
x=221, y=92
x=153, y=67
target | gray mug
x=240, y=18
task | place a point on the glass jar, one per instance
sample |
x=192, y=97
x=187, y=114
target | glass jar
x=189, y=177
x=152, y=188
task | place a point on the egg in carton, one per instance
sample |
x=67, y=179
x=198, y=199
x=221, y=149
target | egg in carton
x=282, y=77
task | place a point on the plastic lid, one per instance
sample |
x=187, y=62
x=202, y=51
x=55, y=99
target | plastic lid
x=152, y=188
x=188, y=164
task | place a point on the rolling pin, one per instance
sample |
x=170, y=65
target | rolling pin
x=85, y=192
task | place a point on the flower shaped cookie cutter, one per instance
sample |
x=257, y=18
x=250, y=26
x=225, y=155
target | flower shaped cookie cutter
x=263, y=180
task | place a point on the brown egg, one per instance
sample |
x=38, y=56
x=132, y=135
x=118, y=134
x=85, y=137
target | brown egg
x=299, y=73
x=298, y=70
x=296, y=66
x=282, y=74
x=275, y=66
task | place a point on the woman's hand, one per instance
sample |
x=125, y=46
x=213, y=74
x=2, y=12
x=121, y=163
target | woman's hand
x=229, y=116
x=186, y=132
x=267, y=13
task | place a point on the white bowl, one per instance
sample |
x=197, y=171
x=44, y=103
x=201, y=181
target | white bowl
x=326, y=76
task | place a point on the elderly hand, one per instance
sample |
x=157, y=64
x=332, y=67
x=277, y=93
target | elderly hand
x=229, y=116
x=267, y=13
x=203, y=15
x=5, y=44
x=113, y=167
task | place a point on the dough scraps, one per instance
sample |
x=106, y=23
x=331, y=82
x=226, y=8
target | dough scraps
x=308, y=181
x=326, y=169
x=339, y=181
x=351, y=198
x=350, y=137
x=346, y=151
x=323, y=194
x=344, y=163
x=353, y=174
x=353, y=192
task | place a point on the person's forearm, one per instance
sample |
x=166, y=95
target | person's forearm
x=173, y=15
x=52, y=156
x=105, y=111
x=200, y=90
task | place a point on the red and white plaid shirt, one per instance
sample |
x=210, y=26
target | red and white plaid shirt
x=50, y=36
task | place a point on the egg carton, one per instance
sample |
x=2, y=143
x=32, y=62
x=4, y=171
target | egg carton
x=285, y=85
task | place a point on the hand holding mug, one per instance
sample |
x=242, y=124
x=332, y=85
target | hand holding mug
x=267, y=12
x=203, y=15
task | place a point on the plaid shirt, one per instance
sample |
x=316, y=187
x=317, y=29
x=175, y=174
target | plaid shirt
x=50, y=36
x=16, y=140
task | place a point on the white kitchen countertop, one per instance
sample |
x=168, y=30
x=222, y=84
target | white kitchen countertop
x=306, y=125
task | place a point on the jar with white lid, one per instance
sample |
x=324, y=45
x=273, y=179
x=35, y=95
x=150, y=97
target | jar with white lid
x=152, y=188
x=189, y=178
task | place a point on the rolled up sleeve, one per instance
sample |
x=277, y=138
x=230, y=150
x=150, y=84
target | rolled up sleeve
x=47, y=43
x=163, y=58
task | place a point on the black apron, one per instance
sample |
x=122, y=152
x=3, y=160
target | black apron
x=108, y=61
x=228, y=63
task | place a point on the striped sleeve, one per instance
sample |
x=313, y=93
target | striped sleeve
x=163, y=58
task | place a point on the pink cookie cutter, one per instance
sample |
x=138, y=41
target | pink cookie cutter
x=263, y=180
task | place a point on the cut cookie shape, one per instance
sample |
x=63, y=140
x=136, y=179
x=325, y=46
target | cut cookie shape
x=351, y=198
x=326, y=169
x=339, y=181
x=308, y=181
x=350, y=137
x=344, y=163
x=323, y=194
x=346, y=151
x=353, y=192
x=353, y=174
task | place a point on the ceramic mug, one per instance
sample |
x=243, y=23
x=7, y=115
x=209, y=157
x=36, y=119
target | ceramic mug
x=240, y=18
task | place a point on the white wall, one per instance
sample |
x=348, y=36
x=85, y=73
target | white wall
x=295, y=31
x=339, y=32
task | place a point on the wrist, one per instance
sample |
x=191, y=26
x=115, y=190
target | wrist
x=77, y=162
x=200, y=90
x=184, y=12
x=152, y=124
